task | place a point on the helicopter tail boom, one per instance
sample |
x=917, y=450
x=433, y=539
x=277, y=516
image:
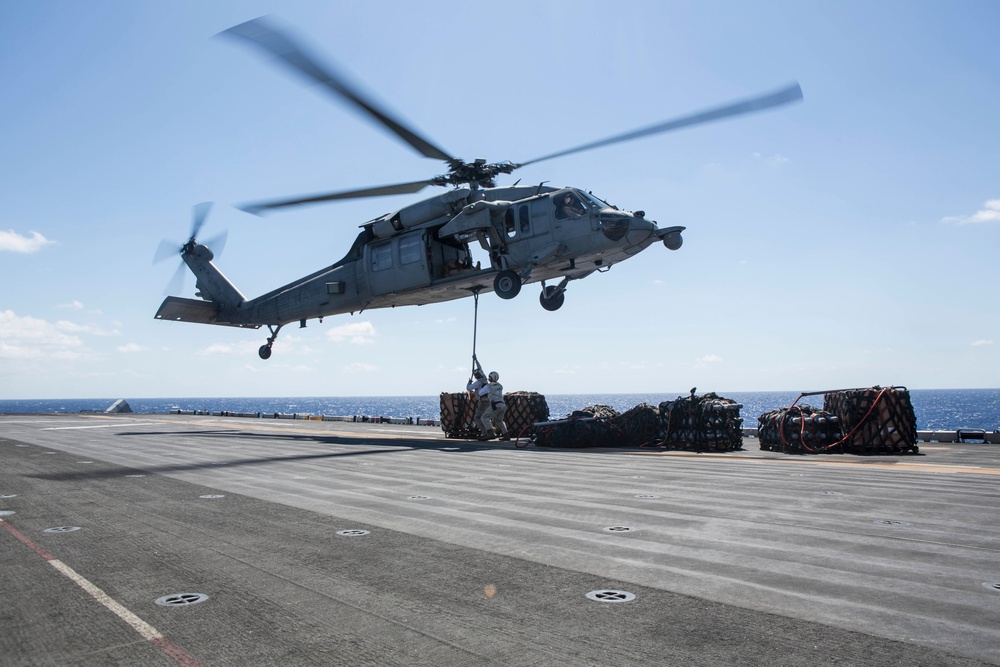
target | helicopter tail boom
x=220, y=298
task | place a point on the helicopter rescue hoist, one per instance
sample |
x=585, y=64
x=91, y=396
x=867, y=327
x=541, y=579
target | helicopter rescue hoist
x=426, y=252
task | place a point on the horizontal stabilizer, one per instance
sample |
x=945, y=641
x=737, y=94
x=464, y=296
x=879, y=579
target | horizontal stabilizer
x=192, y=310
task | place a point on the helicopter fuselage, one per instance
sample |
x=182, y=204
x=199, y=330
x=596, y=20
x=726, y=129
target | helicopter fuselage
x=474, y=238
x=424, y=253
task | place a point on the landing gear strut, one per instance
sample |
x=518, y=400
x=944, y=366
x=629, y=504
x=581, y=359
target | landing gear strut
x=265, y=350
x=553, y=296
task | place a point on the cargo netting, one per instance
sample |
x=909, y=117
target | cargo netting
x=875, y=420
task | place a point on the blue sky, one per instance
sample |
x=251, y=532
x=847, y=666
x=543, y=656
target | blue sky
x=849, y=240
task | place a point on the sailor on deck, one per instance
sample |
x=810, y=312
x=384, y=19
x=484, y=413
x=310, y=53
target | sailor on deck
x=476, y=383
x=491, y=394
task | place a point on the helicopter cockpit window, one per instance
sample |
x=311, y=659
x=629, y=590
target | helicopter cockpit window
x=596, y=201
x=381, y=257
x=568, y=206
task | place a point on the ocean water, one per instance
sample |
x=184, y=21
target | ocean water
x=935, y=409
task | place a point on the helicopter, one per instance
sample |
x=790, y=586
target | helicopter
x=423, y=252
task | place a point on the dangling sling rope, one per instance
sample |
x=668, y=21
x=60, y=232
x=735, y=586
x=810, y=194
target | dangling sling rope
x=475, y=326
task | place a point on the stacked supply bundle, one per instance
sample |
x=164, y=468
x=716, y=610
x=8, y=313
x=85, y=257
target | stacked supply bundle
x=577, y=431
x=586, y=427
x=875, y=420
x=524, y=408
x=636, y=427
x=602, y=426
x=458, y=413
x=702, y=423
x=799, y=430
x=598, y=410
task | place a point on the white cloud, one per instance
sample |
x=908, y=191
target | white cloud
x=707, y=360
x=774, y=160
x=980, y=343
x=11, y=241
x=359, y=367
x=72, y=305
x=640, y=366
x=284, y=345
x=990, y=212
x=131, y=347
x=356, y=333
x=92, y=329
x=32, y=338
x=224, y=349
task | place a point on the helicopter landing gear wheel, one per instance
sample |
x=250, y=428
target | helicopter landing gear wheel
x=264, y=352
x=507, y=284
x=552, y=298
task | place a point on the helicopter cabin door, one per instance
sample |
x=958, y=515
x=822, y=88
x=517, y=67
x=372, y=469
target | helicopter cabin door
x=397, y=264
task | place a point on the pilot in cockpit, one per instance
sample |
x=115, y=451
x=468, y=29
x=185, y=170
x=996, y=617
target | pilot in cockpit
x=568, y=206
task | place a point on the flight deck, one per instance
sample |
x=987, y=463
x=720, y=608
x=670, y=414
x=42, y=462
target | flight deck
x=207, y=540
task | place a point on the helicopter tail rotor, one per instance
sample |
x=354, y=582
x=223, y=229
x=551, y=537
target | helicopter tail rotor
x=167, y=248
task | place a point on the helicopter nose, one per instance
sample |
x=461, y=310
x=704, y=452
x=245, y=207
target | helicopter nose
x=639, y=231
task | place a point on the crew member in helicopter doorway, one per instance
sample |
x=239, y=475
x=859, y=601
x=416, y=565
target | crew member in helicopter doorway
x=495, y=408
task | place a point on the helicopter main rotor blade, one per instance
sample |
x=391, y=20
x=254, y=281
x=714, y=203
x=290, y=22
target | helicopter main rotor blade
x=262, y=33
x=198, y=216
x=787, y=95
x=258, y=208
